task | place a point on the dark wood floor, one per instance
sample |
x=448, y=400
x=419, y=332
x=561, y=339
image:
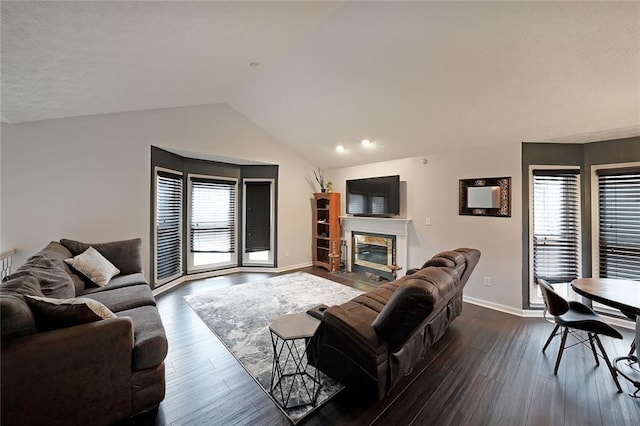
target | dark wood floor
x=488, y=369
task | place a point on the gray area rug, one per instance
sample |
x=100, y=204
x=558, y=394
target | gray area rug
x=240, y=316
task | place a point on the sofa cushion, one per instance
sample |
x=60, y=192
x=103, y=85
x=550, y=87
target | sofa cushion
x=54, y=281
x=52, y=314
x=58, y=253
x=126, y=255
x=16, y=318
x=150, y=343
x=94, y=266
x=121, y=299
x=119, y=281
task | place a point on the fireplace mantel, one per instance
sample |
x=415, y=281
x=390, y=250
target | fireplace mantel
x=379, y=225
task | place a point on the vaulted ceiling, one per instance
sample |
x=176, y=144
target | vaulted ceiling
x=414, y=77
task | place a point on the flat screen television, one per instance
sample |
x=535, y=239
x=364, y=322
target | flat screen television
x=376, y=196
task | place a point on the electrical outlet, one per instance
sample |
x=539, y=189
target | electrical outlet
x=427, y=221
x=487, y=281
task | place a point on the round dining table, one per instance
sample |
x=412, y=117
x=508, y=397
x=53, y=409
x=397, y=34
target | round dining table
x=620, y=294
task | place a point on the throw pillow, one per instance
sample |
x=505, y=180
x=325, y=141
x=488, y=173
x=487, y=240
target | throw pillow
x=52, y=314
x=94, y=266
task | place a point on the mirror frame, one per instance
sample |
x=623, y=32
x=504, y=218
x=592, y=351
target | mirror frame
x=505, y=197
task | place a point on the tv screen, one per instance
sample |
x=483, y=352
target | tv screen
x=377, y=196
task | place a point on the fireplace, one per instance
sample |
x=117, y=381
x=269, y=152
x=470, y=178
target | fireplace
x=373, y=253
x=396, y=227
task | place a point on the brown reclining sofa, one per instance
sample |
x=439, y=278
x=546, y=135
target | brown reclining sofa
x=372, y=341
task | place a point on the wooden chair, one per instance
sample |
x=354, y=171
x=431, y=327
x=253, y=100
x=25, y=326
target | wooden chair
x=571, y=316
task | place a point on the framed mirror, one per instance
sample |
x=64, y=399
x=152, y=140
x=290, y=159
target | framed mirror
x=485, y=197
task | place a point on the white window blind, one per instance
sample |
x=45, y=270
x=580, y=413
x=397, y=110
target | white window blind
x=556, y=229
x=169, y=202
x=619, y=223
x=213, y=215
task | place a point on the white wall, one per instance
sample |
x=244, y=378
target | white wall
x=88, y=178
x=2, y=245
x=431, y=190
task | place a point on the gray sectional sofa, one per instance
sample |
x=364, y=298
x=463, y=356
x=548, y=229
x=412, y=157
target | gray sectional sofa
x=56, y=367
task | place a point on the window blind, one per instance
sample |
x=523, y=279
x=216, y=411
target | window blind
x=258, y=216
x=356, y=203
x=213, y=216
x=168, y=225
x=378, y=204
x=556, y=218
x=619, y=223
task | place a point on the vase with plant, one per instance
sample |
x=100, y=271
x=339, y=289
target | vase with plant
x=329, y=186
x=320, y=179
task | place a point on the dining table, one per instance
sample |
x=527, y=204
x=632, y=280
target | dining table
x=616, y=293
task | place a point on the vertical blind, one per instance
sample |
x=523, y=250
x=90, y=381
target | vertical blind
x=168, y=225
x=619, y=223
x=556, y=218
x=257, y=216
x=213, y=215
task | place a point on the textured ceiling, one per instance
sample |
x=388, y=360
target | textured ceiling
x=64, y=59
x=415, y=77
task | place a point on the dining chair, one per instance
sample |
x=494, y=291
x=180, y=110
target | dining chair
x=570, y=316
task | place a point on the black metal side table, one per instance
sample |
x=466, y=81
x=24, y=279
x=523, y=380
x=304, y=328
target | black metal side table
x=292, y=385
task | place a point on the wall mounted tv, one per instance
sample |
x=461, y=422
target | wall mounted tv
x=376, y=196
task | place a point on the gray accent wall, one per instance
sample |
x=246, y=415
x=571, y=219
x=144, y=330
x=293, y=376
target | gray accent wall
x=582, y=155
x=186, y=165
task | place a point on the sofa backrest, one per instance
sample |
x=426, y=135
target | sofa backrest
x=126, y=255
x=472, y=257
x=424, y=291
x=463, y=260
x=414, y=299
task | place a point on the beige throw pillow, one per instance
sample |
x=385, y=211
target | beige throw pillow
x=94, y=266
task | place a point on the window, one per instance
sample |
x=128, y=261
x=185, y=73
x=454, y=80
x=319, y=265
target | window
x=168, y=225
x=555, y=229
x=259, y=222
x=618, y=254
x=212, y=222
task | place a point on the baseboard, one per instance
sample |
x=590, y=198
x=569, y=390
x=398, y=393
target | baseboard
x=537, y=313
x=211, y=274
x=503, y=308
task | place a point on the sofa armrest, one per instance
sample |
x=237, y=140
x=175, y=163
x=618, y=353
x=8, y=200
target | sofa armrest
x=80, y=373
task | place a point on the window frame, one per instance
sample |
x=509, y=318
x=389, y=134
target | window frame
x=156, y=281
x=233, y=262
x=271, y=254
x=535, y=298
x=595, y=226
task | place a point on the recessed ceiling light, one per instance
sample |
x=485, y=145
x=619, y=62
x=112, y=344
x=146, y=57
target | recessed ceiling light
x=254, y=64
x=366, y=142
x=340, y=148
